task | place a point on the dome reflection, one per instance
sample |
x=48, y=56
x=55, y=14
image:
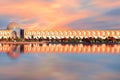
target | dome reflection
x=14, y=51
x=13, y=55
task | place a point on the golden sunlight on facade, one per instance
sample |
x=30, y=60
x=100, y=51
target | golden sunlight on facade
x=14, y=29
x=72, y=33
x=5, y=33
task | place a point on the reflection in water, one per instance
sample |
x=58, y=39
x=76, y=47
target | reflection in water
x=59, y=66
x=14, y=50
x=80, y=48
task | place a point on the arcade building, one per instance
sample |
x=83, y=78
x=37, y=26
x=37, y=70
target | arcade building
x=14, y=30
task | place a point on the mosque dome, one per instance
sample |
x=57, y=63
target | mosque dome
x=13, y=25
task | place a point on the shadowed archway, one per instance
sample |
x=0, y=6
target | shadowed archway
x=14, y=34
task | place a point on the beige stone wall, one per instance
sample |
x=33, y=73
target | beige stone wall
x=5, y=33
x=72, y=33
x=62, y=34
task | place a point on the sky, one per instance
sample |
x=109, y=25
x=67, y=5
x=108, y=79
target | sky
x=61, y=14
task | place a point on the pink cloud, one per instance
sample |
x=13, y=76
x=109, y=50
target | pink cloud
x=52, y=14
x=106, y=3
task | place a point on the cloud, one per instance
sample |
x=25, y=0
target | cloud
x=115, y=12
x=106, y=3
x=54, y=14
x=3, y=21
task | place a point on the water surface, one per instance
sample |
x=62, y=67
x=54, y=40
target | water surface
x=59, y=62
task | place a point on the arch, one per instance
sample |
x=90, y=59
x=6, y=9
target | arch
x=14, y=34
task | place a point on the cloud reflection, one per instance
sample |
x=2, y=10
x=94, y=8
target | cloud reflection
x=59, y=67
x=35, y=64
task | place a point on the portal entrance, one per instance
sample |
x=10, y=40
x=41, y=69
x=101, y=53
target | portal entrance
x=17, y=32
x=14, y=34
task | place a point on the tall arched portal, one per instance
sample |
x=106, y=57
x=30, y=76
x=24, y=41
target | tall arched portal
x=17, y=31
x=14, y=34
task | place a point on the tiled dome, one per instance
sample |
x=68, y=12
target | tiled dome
x=13, y=25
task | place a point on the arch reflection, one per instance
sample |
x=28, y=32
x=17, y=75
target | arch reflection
x=14, y=50
x=71, y=48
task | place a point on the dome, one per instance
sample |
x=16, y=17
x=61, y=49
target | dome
x=13, y=25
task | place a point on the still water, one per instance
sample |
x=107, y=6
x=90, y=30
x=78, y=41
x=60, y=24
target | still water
x=59, y=62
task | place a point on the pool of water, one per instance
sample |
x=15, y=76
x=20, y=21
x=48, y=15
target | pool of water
x=28, y=62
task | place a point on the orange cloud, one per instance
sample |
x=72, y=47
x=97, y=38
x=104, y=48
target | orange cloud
x=52, y=14
x=106, y=3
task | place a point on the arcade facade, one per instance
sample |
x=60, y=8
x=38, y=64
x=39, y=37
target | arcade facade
x=72, y=33
x=13, y=30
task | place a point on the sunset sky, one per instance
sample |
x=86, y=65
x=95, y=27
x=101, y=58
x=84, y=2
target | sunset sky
x=61, y=14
